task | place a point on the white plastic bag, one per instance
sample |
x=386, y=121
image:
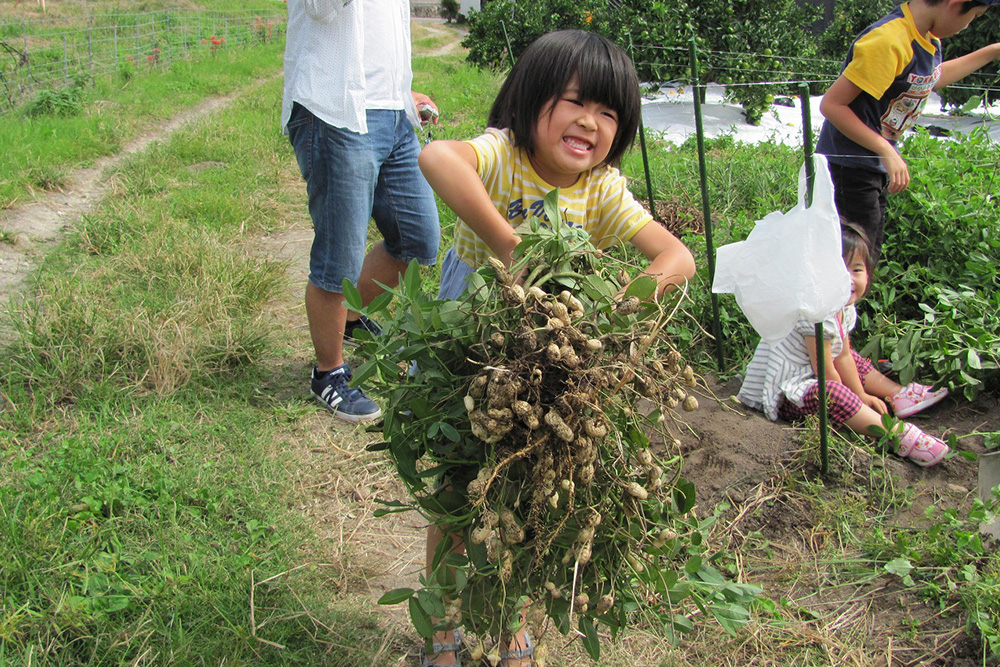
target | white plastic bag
x=790, y=267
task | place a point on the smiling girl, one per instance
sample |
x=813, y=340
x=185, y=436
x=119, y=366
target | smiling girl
x=564, y=117
x=781, y=378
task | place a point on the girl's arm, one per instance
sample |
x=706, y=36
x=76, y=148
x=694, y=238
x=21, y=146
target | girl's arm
x=831, y=370
x=450, y=168
x=670, y=262
x=958, y=68
x=835, y=107
x=849, y=377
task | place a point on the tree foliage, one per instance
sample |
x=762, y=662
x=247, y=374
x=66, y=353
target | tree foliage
x=739, y=42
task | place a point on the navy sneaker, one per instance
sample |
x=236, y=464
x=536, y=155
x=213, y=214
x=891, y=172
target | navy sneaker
x=349, y=403
x=360, y=324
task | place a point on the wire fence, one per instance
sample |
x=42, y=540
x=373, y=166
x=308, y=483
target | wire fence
x=46, y=55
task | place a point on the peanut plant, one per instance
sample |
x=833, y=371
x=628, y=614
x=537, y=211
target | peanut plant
x=520, y=419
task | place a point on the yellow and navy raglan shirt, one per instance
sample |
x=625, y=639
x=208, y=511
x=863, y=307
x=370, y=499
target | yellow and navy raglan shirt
x=599, y=202
x=896, y=69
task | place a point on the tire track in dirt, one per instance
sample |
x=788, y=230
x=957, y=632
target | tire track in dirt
x=39, y=222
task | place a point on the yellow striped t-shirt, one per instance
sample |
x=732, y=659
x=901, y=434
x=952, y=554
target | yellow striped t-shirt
x=599, y=202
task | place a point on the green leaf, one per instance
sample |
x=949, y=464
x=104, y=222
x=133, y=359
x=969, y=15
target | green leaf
x=682, y=623
x=591, y=641
x=351, y=294
x=449, y=431
x=431, y=603
x=973, y=360
x=396, y=596
x=972, y=103
x=551, y=206
x=456, y=560
x=420, y=619
x=411, y=281
x=365, y=371
x=379, y=304
x=899, y=567
x=642, y=287
x=684, y=495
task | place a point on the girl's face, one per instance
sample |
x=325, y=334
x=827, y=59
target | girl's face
x=572, y=136
x=859, y=276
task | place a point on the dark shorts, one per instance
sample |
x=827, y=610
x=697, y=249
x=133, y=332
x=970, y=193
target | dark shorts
x=352, y=178
x=861, y=197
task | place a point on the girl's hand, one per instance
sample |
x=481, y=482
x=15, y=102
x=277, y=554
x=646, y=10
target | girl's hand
x=874, y=402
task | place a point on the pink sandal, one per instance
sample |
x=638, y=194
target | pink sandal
x=922, y=448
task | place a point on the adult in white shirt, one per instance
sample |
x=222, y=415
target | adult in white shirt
x=349, y=113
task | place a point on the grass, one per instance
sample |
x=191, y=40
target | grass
x=144, y=511
x=172, y=496
x=41, y=150
x=76, y=13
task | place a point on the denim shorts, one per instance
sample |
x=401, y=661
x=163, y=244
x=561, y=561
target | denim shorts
x=352, y=178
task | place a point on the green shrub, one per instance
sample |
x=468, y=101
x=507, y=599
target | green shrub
x=658, y=36
x=849, y=19
x=449, y=10
x=66, y=102
x=935, y=302
x=499, y=33
x=980, y=33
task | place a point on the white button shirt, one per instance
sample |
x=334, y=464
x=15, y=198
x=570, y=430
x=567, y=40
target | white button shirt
x=342, y=58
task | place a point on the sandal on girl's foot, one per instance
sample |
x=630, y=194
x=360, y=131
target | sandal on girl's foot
x=437, y=648
x=516, y=655
x=915, y=397
x=922, y=448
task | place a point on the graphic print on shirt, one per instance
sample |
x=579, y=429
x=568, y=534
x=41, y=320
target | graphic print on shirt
x=905, y=109
x=517, y=211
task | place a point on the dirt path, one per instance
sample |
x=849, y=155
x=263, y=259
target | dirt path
x=453, y=32
x=35, y=224
x=39, y=222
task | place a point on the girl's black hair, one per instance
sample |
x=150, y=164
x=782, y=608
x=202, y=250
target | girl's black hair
x=604, y=73
x=854, y=241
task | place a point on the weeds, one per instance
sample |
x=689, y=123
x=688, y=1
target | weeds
x=948, y=563
x=67, y=102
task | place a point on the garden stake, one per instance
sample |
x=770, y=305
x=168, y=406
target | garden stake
x=705, y=205
x=645, y=168
x=807, y=147
x=645, y=155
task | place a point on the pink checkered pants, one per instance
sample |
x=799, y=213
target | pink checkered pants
x=841, y=402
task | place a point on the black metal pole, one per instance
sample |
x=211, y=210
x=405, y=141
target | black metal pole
x=645, y=169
